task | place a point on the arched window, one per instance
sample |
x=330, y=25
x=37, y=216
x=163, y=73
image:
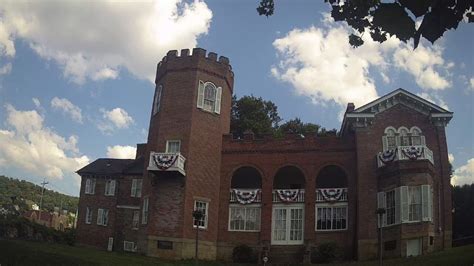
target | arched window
x=390, y=138
x=416, y=137
x=157, y=99
x=209, y=97
x=245, y=199
x=331, y=199
x=402, y=137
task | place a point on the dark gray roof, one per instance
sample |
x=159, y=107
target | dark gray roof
x=106, y=166
x=136, y=167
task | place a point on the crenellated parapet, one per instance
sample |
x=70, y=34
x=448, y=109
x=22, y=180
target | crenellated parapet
x=200, y=60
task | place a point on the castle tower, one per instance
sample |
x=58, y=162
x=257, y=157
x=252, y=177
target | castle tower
x=190, y=113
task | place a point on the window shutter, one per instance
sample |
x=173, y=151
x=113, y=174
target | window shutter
x=87, y=215
x=217, y=107
x=134, y=188
x=423, y=141
x=100, y=213
x=200, y=98
x=107, y=187
x=426, y=202
x=397, y=205
x=385, y=143
x=381, y=204
x=404, y=203
x=93, y=186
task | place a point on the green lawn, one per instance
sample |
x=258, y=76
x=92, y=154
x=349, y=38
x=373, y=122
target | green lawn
x=16, y=252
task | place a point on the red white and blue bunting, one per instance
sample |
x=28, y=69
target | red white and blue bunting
x=332, y=194
x=388, y=156
x=164, y=161
x=413, y=152
x=246, y=196
x=288, y=195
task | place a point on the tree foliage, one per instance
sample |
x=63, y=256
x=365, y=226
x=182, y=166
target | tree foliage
x=23, y=193
x=395, y=18
x=261, y=117
x=463, y=217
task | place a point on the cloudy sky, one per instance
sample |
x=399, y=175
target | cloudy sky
x=76, y=78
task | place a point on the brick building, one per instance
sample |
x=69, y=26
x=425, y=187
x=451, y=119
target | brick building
x=282, y=197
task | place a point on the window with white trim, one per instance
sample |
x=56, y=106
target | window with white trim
x=203, y=207
x=331, y=217
x=145, y=210
x=135, y=219
x=244, y=218
x=88, y=215
x=402, y=137
x=90, y=186
x=110, y=187
x=129, y=246
x=157, y=99
x=414, y=204
x=102, y=217
x=173, y=146
x=136, y=190
x=209, y=97
x=406, y=204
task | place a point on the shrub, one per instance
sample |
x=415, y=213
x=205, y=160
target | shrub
x=324, y=253
x=244, y=254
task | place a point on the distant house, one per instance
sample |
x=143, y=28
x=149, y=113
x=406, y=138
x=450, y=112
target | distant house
x=54, y=220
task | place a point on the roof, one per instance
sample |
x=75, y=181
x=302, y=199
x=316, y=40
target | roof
x=136, y=167
x=45, y=215
x=368, y=111
x=106, y=166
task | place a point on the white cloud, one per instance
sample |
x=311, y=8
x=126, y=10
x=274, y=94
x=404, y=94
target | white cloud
x=115, y=118
x=464, y=174
x=451, y=158
x=30, y=146
x=321, y=64
x=424, y=64
x=434, y=98
x=6, y=69
x=93, y=43
x=121, y=152
x=471, y=81
x=67, y=108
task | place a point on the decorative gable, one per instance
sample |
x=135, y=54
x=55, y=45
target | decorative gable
x=364, y=115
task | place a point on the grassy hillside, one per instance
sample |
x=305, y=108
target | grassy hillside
x=26, y=192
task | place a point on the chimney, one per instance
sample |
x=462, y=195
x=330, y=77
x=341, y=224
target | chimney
x=141, y=147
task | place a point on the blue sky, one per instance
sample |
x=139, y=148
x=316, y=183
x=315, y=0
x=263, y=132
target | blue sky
x=76, y=79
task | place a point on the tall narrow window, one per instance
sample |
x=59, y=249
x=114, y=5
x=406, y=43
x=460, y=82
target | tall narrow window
x=173, y=146
x=135, y=219
x=90, y=186
x=209, y=97
x=404, y=137
x=416, y=138
x=145, y=210
x=102, y=217
x=136, y=190
x=203, y=207
x=109, y=187
x=88, y=215
x=390, y=205
x=414, y=203
x=157, y=99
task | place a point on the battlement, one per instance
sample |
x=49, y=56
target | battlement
x=197, y=53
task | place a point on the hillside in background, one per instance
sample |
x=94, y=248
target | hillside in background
x=26, y=193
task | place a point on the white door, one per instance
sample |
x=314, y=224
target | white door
x=414, y=247
x=287, y=225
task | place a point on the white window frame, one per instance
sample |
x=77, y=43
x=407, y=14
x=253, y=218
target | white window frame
x=88, y=215
x=145, y=210
x=127, y=244
x=157, y=99
x=332, y=206
x=204, y=219
x=135, y=220
x=245, y=209
x=110, y=187
x=90, y=186
x=415, y=204
x=408, y=138
x=390, y=208
x=102, y=216
x=216, y=108
x=136, y=189
x=168, y=146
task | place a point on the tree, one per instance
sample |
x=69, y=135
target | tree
x=396, y=18
x=296, y=126
x=255, y=114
